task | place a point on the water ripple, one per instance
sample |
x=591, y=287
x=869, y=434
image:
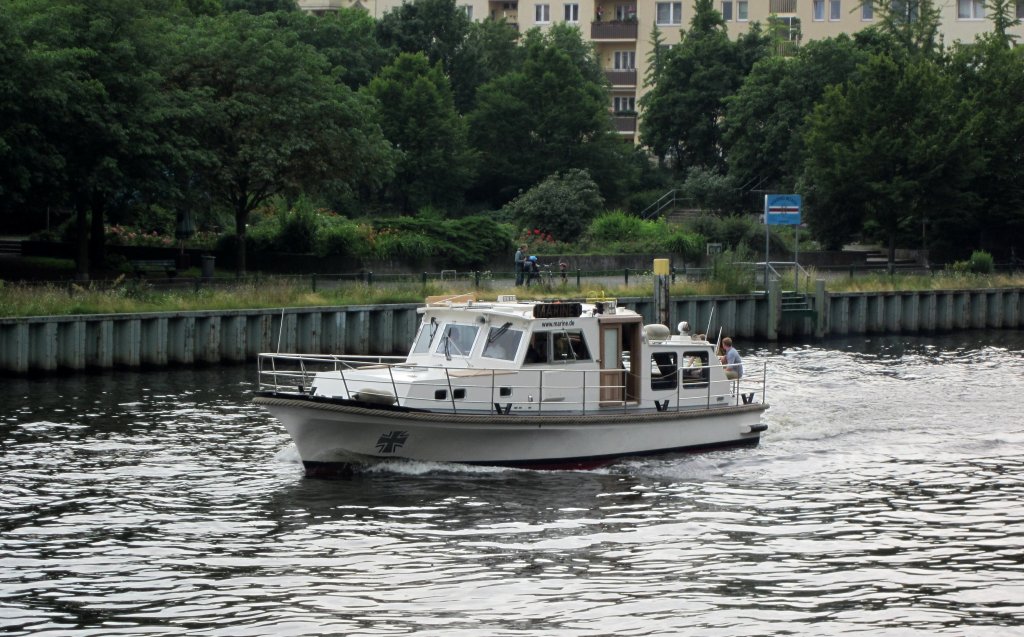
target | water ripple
x=886, y=499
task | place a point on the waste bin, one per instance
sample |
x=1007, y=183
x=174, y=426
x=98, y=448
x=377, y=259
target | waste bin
x=208, y=262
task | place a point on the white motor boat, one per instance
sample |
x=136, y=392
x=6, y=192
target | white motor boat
x=545, y=385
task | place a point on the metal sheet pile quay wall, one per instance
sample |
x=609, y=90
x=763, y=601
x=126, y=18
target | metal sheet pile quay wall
x=55, y=343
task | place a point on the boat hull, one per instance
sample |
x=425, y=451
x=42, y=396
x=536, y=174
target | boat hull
x=332, y=436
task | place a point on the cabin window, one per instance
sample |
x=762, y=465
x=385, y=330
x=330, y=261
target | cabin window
x=695, y=369
x=664, y=368
x=440, y=394
x=504, y=391
x=568, y=346
x=458, y=394
x=457, y=340
x=537, y=352
x=502, y=343
x=565, y=346
x=422, y=344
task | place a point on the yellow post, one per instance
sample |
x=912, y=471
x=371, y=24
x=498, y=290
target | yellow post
x=661, y=291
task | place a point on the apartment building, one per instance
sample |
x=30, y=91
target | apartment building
x=621, y=29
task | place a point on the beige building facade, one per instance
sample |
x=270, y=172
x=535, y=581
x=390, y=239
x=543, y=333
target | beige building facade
x=621, y=29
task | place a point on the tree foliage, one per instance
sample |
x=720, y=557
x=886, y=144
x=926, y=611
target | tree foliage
x=562, y=205
x=418, y=116
x=267, y=133
x=682, y=114
x=887, y=151
x=549, y=116
x=764, y=119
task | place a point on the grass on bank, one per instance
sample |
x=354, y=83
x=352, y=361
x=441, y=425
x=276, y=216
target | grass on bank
x=131, y=296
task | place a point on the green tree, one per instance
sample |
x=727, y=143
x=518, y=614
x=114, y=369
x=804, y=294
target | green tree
x=563, y=205
x=436, y=28
x=885, y=151
x=418, y=116
x=914, y=24
x=93, y=116
x=656, y=57
x=259, y=7
x=990, y=78
x=1004, y=16
x=762, y=128
x=547, y=117
x=682, y=114
x=491, y=49
x=271, y=116
x=346, y=37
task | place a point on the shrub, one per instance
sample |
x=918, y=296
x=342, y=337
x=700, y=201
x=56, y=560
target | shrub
x=615, y=226
x=562, y=205
x=982, y=262
x=732, y=273
x=338, y=236
x=296, y=231
x=688, y=245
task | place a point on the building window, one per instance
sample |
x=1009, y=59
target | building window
x=625, y=12
x=542, y=13
x=468, y=8
x=818, y=7
x=741, y=10
x=904, y=12
x=834, y=10
x=727, y=10
x=625, y=60
x=572, y=12
x=624, y=105
x=1020, y=9
x=670, y=13
x=790, y=31
x=970, y=9
x=782, y=6
x=867, y=11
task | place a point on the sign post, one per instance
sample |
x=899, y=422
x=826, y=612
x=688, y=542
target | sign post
x=782, y=210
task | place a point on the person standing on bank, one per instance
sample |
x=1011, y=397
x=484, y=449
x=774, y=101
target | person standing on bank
x=732, y=361
x=520, y=259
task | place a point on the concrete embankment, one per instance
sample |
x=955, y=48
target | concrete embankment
x=53, y=343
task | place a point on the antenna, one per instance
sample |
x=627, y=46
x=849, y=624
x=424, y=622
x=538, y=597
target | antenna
x=280, y=329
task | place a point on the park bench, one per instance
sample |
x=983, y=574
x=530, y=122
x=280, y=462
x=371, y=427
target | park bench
x=142, y=266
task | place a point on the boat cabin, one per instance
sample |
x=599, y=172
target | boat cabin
x=511, y=356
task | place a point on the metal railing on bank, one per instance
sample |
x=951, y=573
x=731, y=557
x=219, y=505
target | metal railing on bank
x=550, y=278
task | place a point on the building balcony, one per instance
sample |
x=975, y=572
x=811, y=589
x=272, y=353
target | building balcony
x=625, y=124
x=614, y=30
x=621, y=77
x=781, y=6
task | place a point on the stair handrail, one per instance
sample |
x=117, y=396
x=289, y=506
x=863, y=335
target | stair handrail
x=656, y=208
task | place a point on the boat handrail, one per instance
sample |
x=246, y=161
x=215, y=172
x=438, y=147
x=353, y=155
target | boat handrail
x=296, y=372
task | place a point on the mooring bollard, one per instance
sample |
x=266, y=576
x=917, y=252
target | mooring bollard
x=627, y=276
x=578, y=285
x=476, y=278
x=313, y=281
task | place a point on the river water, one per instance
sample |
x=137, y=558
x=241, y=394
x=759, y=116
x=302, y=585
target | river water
x=886, y=498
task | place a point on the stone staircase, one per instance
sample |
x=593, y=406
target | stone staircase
x=10, y=247
x=797, y=305
x=680, y=216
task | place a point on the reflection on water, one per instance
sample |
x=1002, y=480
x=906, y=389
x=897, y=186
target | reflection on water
x=886, y=498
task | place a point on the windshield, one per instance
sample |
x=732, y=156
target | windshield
x=422, y=343
x=502, y=342
x=456, y=340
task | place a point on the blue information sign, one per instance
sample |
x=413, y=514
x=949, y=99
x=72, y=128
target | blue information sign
x=782, y=210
